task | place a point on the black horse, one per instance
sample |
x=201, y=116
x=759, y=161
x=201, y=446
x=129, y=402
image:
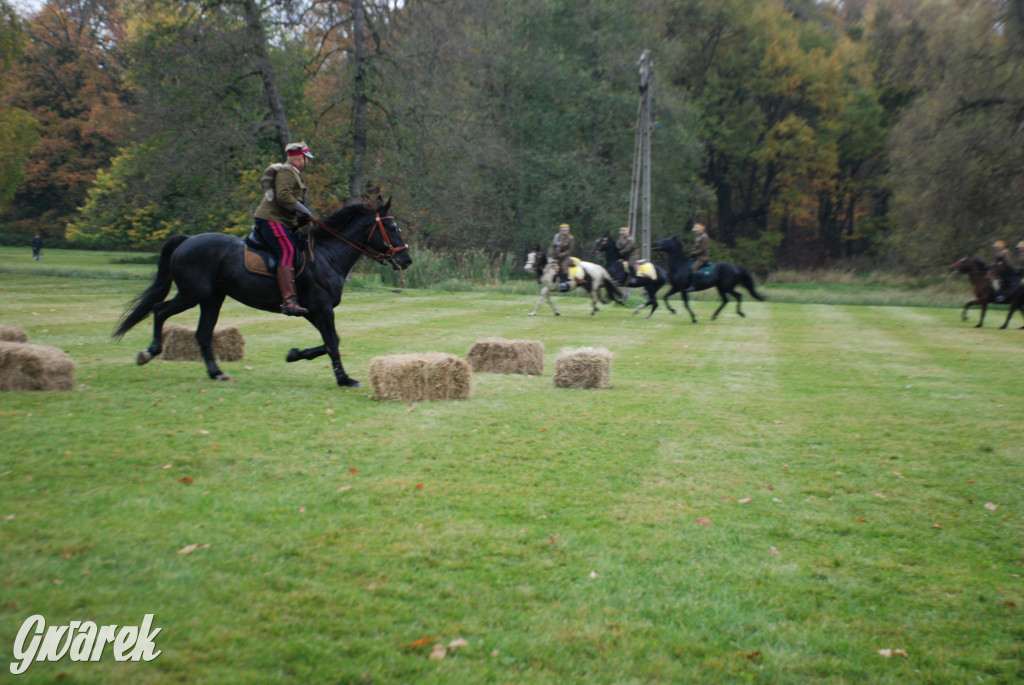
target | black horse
x=613, y=262
x=1012, y=291
x=210, y=266
x=723, y=276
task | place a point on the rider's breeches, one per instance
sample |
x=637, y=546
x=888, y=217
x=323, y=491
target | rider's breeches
x=279, y=238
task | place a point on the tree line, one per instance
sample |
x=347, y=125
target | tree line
x=801, y=132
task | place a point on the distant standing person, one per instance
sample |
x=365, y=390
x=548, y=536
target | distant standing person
x=37, y=247
x=278, y=217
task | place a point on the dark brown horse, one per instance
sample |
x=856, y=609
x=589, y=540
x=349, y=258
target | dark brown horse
x=977, y=271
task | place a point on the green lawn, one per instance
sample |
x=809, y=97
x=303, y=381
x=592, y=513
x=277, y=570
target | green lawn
x=772, y=499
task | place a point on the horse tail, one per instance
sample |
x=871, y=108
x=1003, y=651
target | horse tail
x=747, y=281
x=140, y=307
x=613, y=292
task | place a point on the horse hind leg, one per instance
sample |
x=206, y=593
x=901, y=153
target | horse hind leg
x=162, y=312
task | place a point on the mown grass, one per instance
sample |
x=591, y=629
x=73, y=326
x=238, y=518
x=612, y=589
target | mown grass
x=771, y=499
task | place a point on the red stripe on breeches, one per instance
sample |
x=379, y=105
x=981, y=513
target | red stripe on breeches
x=287, y=249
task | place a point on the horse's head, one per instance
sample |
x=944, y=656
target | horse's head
x=968, y=265
x=535, y=260
x=667, y=245
x=602, y=243
x=370, y=228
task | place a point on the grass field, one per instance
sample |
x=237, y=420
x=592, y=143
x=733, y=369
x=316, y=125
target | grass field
x=775, y=499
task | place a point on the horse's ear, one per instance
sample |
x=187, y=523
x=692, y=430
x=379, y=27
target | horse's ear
x=387, y=205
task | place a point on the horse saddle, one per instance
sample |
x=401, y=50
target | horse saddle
x=646, y=270
x=260, y=259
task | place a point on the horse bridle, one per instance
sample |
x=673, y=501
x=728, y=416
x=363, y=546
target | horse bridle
x=374, y=254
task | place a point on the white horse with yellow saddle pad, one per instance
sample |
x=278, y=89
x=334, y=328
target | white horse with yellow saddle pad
x=586, y=275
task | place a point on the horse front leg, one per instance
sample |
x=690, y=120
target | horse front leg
x=325, y=324
x=686, y=303
x=963, y=314
x=295, y=354
x=209, y=312
x=984, y=308
x=593, y=302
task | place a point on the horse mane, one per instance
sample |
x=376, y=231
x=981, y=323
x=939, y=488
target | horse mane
x=346, y=215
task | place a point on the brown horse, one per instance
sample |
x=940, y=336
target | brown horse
x=977, y=271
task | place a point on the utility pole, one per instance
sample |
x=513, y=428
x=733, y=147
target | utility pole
x=640, y=192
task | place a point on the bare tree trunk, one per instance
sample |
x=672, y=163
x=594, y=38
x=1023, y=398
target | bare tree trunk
x=361, y=124
x=261, y=59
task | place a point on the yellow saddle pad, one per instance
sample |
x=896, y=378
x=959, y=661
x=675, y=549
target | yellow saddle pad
x=646, y=271
x=577, y=273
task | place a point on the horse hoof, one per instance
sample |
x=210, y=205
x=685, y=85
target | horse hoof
x=293, y=355
x=143, y=357
x=223, y=377
x=347, y=382
x=557, y=314
x=532, y=314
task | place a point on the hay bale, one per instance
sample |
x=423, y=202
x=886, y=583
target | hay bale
x=415, y=377
x=498, y=355
x=583, y=367
x=180, y=344
x=24, y=366
x=12, y=334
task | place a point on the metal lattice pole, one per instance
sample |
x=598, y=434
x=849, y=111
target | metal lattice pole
x=640, y=190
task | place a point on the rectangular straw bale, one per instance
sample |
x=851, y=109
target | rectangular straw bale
x=416, y=377
x=12, y=334
x=499, y=355
x=583, y=367
x=180, y=344
x=24, y=366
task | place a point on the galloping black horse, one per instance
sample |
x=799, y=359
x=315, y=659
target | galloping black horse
x=613, y=262
x=210, y=266
x=723, y=276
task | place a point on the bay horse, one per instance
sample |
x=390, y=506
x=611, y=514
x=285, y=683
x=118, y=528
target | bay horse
x=596, y=280
x=617, y=270
x=210, y=266
x=724, y=276
x=977, y=271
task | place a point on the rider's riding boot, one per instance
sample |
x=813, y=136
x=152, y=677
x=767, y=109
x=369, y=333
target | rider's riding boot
x=563, y=282
x=286, y=282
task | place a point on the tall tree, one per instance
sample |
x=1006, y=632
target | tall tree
x=69, y=78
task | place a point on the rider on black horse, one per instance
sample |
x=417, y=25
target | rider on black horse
x=700, y=253
x=281, y=212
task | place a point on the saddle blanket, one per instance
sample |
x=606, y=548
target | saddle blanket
x=646, y=270
x=577, y=273
x=263, y=263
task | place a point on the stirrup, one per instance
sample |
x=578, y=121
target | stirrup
x=292, y=308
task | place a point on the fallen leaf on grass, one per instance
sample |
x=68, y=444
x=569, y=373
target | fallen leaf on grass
x=352, y=470
x=879, y=495
x=593, y=575
x=185, y=481
x=422, y=641
x=168, y=466
x=744, y=500
x=773, y=550
x=343, y=488
x=889, y=653
x=203, y=431
x=188, y=549
x=459, y=642
x=439, y=652
x=703, y=521
x=990, y=506
x=860, y=520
